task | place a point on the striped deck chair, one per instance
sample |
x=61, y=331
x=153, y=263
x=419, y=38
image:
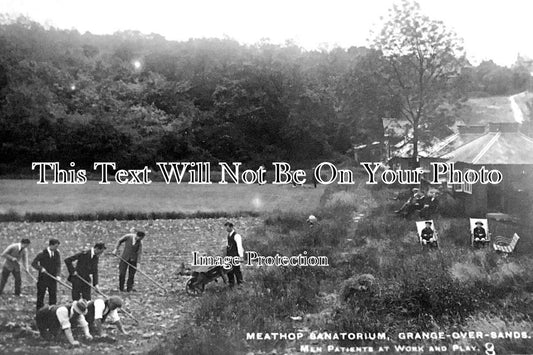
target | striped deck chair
x=504, y=244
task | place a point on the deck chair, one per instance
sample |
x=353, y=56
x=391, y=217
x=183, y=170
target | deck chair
x=433, y=242
x=505, y=245
x=479, y=232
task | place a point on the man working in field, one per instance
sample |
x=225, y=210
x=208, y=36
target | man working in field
x=47, y=261
x=86, y=265
x=51, y=319
x=13, y=254
x=130, y=255
x=100, y=310
x=234, y=248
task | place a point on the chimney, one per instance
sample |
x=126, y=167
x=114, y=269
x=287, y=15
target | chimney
x=504, y=127
x=471, y=129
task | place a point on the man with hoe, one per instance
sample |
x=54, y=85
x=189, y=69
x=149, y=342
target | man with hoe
x=130, y=258
x=86, y=265
x=47, y=262
x=13, y=254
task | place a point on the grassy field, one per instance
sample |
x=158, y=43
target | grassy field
x=25, y=196
x=451, y=290
x=169, y=243
x=411, y=290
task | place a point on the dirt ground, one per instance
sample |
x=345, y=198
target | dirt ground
x=168, y=244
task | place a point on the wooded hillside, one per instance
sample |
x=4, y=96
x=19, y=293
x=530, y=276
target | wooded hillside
x=136, y=99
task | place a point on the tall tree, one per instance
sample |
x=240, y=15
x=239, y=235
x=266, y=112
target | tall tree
x=421, y=57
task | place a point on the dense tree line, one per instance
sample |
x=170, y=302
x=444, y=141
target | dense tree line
x=136, y=99
x=490, y=79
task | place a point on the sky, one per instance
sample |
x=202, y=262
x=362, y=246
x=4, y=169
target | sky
x=495, y=29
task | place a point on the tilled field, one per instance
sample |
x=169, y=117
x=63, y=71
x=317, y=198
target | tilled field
x=168, y=244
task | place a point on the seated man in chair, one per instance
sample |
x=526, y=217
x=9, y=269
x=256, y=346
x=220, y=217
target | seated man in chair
x=480, y=235
x=431, y=204
x=427, y=235
x=416, y=202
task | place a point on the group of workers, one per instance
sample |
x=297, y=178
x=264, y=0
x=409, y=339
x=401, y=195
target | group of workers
x=82, y=267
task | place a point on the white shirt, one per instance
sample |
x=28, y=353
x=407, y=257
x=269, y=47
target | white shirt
x=50, y=252
x=238, y=239
x=64, y=320
x=92, y=253
x=99, y=307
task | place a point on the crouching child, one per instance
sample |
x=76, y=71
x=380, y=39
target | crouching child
x=52, y=319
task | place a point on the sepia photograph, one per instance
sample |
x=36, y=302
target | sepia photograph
x=266, y=177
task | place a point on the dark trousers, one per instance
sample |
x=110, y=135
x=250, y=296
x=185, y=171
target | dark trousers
x=235, y=273
x=411, y=208
x=80, y=289
x=46, y=283
x=47, y=329
x=122, y=269
x=5, y=276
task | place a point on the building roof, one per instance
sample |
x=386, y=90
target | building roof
x=440, y=147
x=364, y=146
x=501, y=145
x=405, y=150
x=453, y=142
